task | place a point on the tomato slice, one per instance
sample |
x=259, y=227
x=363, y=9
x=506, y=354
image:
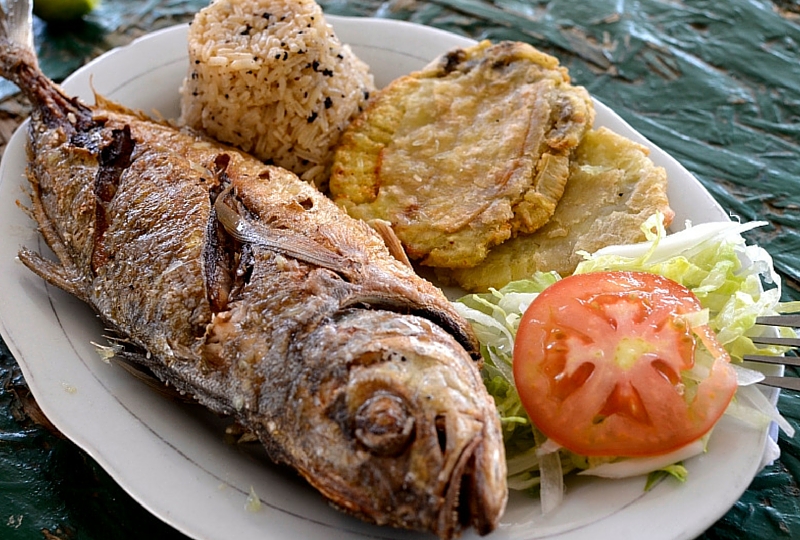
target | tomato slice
x=598, y=364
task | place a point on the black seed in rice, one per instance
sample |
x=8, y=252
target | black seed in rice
x=312, y=117
x=366, y=94
x=277, y=57
x=246, y=30
x=328, y=102
x=327, y=73
x=285, y=55
x=266, y=15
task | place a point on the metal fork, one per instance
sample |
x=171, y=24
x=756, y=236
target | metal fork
x=793, y=321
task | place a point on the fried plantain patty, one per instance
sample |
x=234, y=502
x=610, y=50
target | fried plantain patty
x=466, y=153
x=612, y=189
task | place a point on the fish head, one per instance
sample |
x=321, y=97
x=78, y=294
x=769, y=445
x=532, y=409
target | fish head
x=412, y=439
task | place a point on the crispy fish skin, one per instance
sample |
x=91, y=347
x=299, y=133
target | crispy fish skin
x=242, y=286
x=613, y=188
x=464, y=154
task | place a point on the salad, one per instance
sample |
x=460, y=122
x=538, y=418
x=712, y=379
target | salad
x=572, y=391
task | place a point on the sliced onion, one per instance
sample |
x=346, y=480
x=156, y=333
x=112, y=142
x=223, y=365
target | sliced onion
x=551, y=491
x=746, y=376
x=638, y=466
x=755, y=398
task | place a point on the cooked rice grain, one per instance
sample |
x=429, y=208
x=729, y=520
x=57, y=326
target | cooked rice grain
x=271, y=77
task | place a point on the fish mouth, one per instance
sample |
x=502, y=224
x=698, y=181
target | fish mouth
x=476, y=493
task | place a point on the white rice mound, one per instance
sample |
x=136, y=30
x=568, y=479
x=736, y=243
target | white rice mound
x=271, y=78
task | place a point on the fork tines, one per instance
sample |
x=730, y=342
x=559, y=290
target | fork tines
x=787, y=383
x=780, y=320
x=791, y=383
x=780, y=341
x=783, y=360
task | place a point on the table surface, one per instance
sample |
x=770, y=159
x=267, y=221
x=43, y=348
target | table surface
x=715, y=84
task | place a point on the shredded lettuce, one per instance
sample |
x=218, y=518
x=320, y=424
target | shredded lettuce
x=735, y=283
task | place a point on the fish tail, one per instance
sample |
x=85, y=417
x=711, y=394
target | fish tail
x=19, y=64
x=17, y=53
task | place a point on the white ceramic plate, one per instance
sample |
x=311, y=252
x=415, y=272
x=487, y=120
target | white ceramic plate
x=172, y=458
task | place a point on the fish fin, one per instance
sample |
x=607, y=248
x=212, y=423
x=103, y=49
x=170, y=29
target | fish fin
x=64, y=275
x=46, y=228
x=16, y=23
x=16, y=39
x=384, y=229
x=108, y=105
x=137, y=363
x=20, y=65
x=54, y=274
x=240, y=434
x=285, y=242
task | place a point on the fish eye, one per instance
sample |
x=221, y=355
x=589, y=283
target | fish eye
x=383, y=424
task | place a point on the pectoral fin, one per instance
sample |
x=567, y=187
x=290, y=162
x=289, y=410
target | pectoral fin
x=282, y=241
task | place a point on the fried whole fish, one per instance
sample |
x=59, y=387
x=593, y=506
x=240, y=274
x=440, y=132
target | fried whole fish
x=239, y=284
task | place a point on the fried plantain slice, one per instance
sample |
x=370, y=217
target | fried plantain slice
x=612, y=189
x=466, y=153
